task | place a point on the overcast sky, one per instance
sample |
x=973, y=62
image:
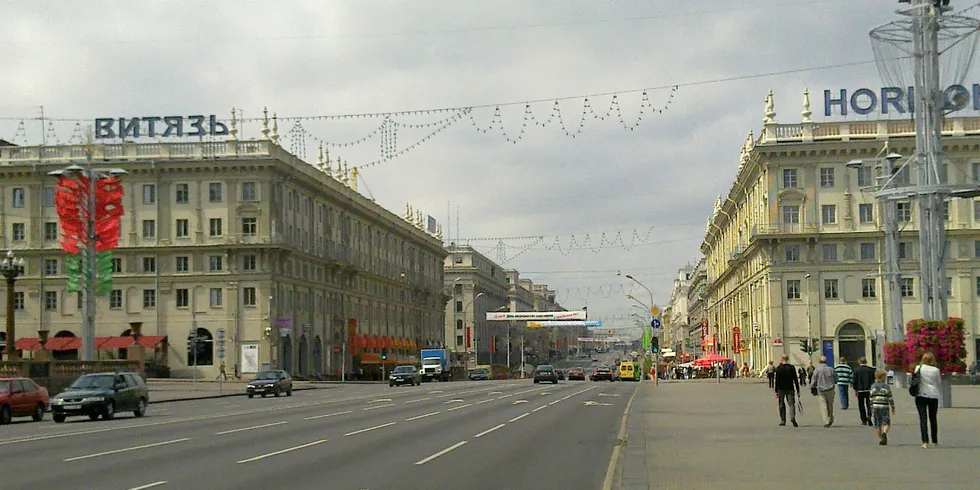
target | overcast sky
x=631, y=200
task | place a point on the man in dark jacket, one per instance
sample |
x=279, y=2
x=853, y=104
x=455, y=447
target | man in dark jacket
x=787, y=383
x=862, y=379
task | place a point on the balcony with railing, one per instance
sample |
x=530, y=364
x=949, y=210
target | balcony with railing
x=123, y=152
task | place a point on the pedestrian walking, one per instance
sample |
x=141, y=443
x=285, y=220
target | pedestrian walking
x=745, y=370
x=864, y=377
x=221, y=372
x=881, y=402
x=786, y=384
x=809, y=372
x=771, y=374
x=927, y=401
x=844, y=374
x=822, y=384
x=801, y=373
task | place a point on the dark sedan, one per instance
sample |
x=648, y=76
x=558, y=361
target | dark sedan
x=274, y=382
x=602, y=373
x=405, y=375
x=545, y=372
x=479, y=375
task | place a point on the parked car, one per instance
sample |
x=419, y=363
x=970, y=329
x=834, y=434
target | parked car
x=602, y=373
x=577, y=374
x=102, y=394
x=272, y=381
x=479, y=374
x=405, y=375
x=545, y=372
x=21, y=397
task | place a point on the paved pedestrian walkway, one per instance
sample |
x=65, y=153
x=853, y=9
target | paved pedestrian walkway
x=172, y=390
x=701, y=434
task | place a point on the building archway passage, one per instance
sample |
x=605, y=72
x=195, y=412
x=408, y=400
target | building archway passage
x=286, y=363
x=303, y=356
x=203, y=353
x=851, y=341
x=67, y=354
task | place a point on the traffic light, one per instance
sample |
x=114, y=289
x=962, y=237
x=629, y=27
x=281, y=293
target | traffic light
x=655, y=345
x=384, y=354
x=805, y=346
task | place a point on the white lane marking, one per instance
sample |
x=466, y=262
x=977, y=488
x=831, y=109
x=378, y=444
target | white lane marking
x=554, y=402
x=459, y=407
x=418, y=400
x=422, y=416
x=495, y=393
x=243, y=429
x=379, y=406
x=546, y=393
x=134, y=448
x=542, y=407
x=608, y=394
x=489, y=430
x=380, y=400
x=519, y=417
x=485, y=401
x=518, y=402
x=389, y=424
x=282, y=451
x=345, y=412
x=440, y=453
x=455, y=400
x=590, y=403
x=435, y=392
x=506, y=396
x=149, y=485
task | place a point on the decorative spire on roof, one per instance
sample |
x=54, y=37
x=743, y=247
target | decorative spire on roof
x=319, y=156
x=275, y=130
x=806, y=106
x=770, y=109
x=265, y=123
x=326, y=162
x=408, y=212
x=233, y=130
x=439, y=231
x=749, y=142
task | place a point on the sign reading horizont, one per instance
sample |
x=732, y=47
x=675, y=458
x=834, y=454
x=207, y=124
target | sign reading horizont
x=895, y=100
x=535, y=315
x=153, y=126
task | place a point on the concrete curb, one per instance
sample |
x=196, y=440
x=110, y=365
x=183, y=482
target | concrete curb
x=217, y=395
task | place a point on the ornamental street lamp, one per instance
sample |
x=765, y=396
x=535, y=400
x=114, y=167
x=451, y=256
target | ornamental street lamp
x=11, y=267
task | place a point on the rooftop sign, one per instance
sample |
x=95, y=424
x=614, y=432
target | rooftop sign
x=154, y=126
x=894, y=100
x=535, y=315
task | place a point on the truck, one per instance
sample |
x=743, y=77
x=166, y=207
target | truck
x=435, y=365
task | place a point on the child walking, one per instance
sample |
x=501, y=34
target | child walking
x=881, y=403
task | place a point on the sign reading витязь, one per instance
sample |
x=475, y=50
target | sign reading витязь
x=153, y=126
x=895, y=100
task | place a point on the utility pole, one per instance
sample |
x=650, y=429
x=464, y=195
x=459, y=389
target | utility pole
x=809, y=324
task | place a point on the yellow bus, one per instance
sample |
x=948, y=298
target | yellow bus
x=629, y=371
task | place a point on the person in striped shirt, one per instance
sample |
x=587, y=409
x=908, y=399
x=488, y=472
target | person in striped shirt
x=881, y=403
x=844, y=374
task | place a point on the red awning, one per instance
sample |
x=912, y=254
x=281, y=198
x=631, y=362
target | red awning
x=28, y=343
x=151, y=341
x=389, y=343
x=63, y=343
x=372, y=341
x=117, y=343
x=359, y=341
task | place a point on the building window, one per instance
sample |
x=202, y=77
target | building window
x=789, y=178
x=904, y=212
x=828, y=213
x=115, y=299
x=19, y=300
x=907, y=287
x=945, y=210
x=976, y=210
x=792, y=253
x=149, y=194
x=183, y=298
x=459, y=340
x=215, y=263
x=183, y=228
x=976, y=171
x=459, y=324
x=903, y=251
x=149, y=228
x=791, y=215
x=248, y=192
x=51, y=230
x=215, y=297
x=215, y=226
x=50, y=300
x=183, y=264
x=868, y=288
x=248, y=263
x=866, y=213
x=116, y=266
x=459, y=306
x=182, y=194
x=829, y=252
x=867, y=251
x=249, y=226
x=864, y=176
x=149, y=264
x=50, y=267
x=214, y=192
x=18, y=198
x=827, y=177
x=18, y=232
x=949, y=286
x=793, y=289
x=248, y=296
x=830, y=288
x=47, y=197
x=149, y=298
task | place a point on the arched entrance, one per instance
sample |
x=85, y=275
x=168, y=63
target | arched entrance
x=317, y=355
x=287, y=354
x=201, y=353
x=851, y=342
x=303, y=356
x=65, y=355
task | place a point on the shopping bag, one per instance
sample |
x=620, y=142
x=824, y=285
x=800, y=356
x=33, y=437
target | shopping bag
x=799, y=406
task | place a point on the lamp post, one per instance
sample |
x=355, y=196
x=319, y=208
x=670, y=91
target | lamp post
x=466, y=306
x=89, y=254
x=11, y=267
x=809, y=331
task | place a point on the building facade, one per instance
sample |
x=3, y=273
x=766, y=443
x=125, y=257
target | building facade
x=476, y=286
x=697, y=310
x=271, y=260
x=676, y=315
x=794, y=250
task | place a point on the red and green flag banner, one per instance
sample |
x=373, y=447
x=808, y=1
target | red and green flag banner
x=72, y=203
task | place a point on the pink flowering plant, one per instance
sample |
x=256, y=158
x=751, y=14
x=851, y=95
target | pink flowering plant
x=895, y=356
x=945, y=339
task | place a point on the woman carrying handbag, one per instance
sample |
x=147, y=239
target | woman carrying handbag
x=926, y=382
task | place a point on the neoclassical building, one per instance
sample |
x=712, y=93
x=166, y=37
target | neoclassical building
x=271, y=260
x=794, y=250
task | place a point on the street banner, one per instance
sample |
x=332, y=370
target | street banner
x=646, y=338
x=505, y=316
x=250, y=358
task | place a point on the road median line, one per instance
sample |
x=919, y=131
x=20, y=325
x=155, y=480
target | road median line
x=382, y=426
x=440, y=453
x=345, y=412
x=422, y=416
x=117, y=451
x=489, y=431
x=282, y=451
x=519, y=417
x=243, y=429
x=460, y=407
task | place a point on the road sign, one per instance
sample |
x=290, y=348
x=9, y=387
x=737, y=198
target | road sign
x=656, y=324
x=654, y=311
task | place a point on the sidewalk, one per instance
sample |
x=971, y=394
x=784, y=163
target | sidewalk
x=702, y=434
x=174, y=390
